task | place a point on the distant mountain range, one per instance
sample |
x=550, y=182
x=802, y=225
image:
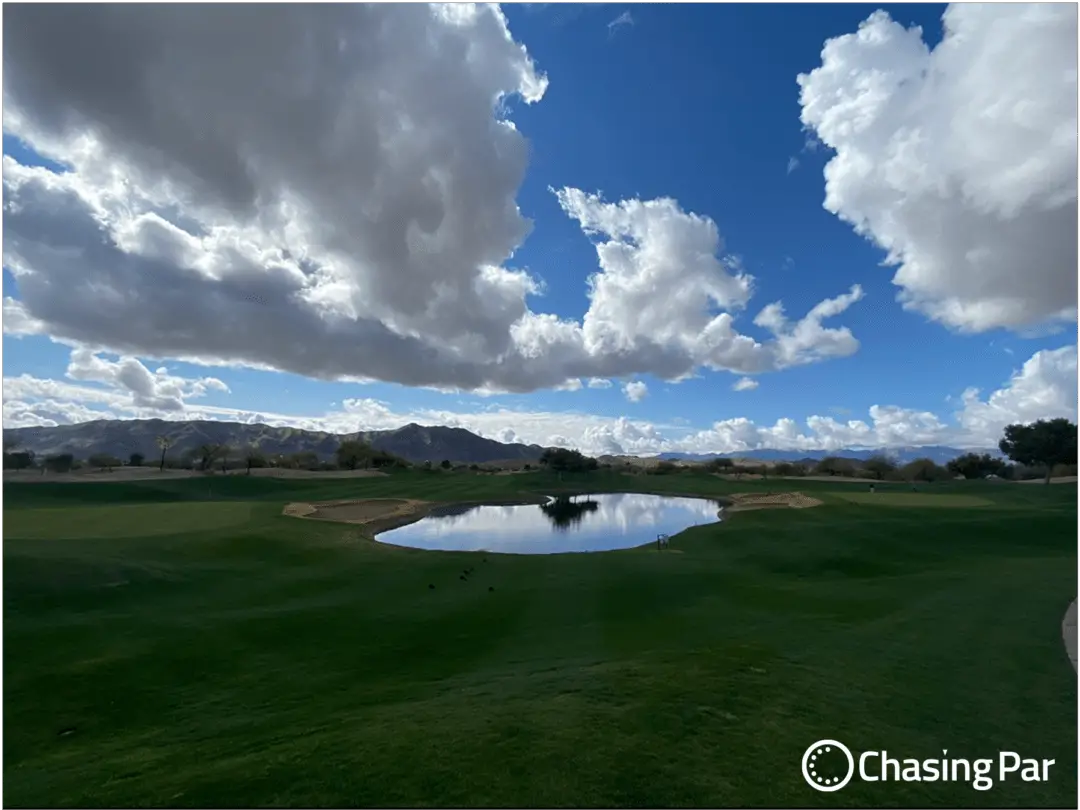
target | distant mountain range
x=122, y=437
x=900, y=455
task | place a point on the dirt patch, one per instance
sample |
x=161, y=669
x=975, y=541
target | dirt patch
x=745, y=501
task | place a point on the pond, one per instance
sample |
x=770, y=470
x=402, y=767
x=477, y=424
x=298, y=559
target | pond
x=563, y=524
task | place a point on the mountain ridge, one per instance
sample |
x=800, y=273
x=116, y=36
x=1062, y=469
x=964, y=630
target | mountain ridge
x=414, y=442
x=122, y=437
x=940, y=454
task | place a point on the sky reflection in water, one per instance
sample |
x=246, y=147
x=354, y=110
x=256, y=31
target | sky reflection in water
x=580, y=523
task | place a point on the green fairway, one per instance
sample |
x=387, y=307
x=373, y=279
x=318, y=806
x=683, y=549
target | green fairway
x=125, y=520
x=915, y=499
x=181, y=643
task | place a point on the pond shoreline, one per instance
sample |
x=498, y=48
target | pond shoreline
x=401, y=513
x=376, y=516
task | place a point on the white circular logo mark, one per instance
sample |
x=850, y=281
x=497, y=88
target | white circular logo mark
x=821, y=777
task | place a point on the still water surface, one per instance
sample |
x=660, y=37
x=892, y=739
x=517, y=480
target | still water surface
x=579, y=523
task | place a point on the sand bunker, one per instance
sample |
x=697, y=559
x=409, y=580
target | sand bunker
x=362, y=512
x=744, y=501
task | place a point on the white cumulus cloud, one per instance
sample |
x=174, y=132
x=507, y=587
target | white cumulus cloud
x=331, y=191
x=745, y=384
x=959, y=161
x=635, y=391
x=1044, y=387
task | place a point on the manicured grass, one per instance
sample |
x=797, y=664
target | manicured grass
x=915, y=499
x=280, y=662
x=125, y=520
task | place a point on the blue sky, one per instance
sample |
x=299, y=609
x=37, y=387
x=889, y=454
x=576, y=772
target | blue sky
x=699, y=104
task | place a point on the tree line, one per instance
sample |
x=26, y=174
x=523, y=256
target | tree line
x=1041, y=449
x=209, y=457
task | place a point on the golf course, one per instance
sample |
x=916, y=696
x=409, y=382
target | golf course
x=183, y=643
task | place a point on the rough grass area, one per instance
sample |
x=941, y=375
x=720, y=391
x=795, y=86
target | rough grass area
x=276, y=662
x=915, y=499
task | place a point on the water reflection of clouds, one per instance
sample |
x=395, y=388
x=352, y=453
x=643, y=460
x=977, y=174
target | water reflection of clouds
x=617, y=521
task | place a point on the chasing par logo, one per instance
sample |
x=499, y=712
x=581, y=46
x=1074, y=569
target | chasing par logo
x=828, y=765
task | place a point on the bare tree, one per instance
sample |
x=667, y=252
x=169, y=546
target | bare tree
x=206, y=455
x=254, y=457
x=224, y=452
x=164, y=442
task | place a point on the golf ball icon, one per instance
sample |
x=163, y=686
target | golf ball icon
x=827, y=765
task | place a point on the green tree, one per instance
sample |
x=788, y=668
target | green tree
x=561, y=459
x=352, y=454
x=787, y=469
x=973, y=465
x=303, y=460
x=21, y=460
x=445, y=464
x=103, y=461
x=60, y=463
x=836, y=465
x=9, y=447
x=878, y=466
x=719, y=465
x=924, y=469
x=1043, y=443
x=136, y=460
